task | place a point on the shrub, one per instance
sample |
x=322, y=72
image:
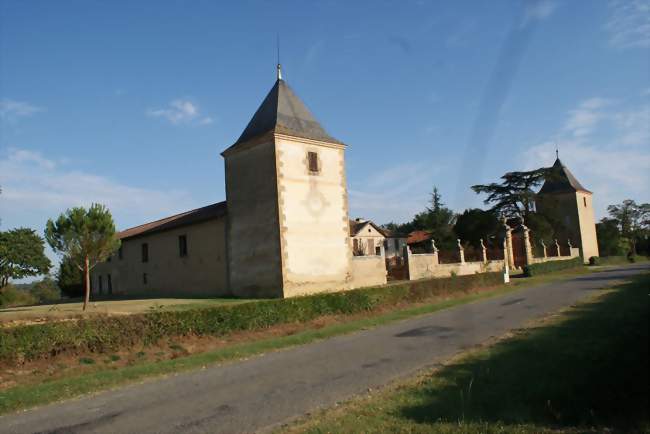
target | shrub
x=551, y=266
x=594, y=260
x=104, y=333
x=11, y=296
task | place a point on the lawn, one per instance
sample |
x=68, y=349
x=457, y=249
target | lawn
x=583, y=370
x=46, y=312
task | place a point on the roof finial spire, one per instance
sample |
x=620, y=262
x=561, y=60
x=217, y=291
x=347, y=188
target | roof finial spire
x=557, y=152
x=279, y=66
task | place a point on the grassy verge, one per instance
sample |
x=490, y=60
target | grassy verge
x=584, y=370
x=20, y=397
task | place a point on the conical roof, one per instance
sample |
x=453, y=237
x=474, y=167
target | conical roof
x=561, y=180
x=283, y=112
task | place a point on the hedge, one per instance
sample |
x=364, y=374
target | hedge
x=551, y=266
x=109, y=333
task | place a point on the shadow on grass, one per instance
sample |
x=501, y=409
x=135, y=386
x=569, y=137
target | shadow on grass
x=590, y=370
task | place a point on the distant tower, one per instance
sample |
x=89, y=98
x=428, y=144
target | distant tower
x=287, y=202
x=568, y=201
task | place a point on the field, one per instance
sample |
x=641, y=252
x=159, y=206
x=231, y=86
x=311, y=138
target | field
x=59, y=311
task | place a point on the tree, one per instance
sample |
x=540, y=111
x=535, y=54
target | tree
x=476, y=224
x=436, y=219
x=22, y=254
x=610, y=241
x=514, y=196
x=633, y=221
x=70, y=278
x=87, y=237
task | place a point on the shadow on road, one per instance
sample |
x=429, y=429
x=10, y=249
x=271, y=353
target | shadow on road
x=588, y=371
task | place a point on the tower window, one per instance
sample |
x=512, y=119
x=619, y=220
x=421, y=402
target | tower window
x=312, y=159
x=145, y=252
x=182, y=245
x=584, y=200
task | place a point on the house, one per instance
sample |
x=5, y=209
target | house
x=420, y=241
x=367, y=238
x=283, y=230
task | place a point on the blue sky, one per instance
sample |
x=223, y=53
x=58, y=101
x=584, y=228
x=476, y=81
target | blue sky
x=130, y=103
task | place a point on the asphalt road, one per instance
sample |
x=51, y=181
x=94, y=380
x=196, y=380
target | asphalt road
x=262, y=392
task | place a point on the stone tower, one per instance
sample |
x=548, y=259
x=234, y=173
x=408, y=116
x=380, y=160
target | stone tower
x=287, y=231
x=568, y=201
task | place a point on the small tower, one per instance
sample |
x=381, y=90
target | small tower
x=568, y=201
x=286, y=191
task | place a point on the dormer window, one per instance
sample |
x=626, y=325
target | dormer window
x=312, y=161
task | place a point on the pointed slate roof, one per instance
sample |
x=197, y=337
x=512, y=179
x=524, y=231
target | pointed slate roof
x=561, y=180
x=283, y=112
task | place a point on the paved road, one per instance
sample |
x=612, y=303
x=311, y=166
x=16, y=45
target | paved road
x=264, y=391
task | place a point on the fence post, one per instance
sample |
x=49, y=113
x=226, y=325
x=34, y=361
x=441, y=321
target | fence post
x=484, y=252
x=557, y=247
x=543, y=248
x=461, y=251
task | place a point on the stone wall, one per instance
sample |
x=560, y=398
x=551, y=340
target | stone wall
x=367, y=271
x=202, y=272
x=313, y=213
x=254, y=256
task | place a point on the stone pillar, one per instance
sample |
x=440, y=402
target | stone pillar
x=461, y=251
x=407, y=260
x=527, y=247
x=484, y=252
x=508, y=254
x=557, y=247
x=436, y=261
x=543, y=248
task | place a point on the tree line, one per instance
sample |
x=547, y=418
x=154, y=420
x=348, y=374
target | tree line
x=81, y=237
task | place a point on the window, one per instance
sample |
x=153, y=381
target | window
x=144, y=278
x=396, y=241
x=584, y=200
x=109, y=284
x=377, y=250
x=145, y=252
x=182, y=245
x=101, y=284
x=119, y=252
x=312, y=158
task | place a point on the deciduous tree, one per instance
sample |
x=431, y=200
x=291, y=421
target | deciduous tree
x=22, y=254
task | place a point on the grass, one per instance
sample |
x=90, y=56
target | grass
x=584, y=370
x=104, y=377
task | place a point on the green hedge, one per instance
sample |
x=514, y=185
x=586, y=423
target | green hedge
x=549, y=267
x=108, y=333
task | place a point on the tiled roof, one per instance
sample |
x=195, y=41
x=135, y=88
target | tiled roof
x=283, y=112
x=418, y=236
x=561, y=180
x=216, y=210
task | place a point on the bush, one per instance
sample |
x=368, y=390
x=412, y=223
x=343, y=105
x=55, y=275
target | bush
x=103, y=334
x=551, y=266
x=594, y=260
x=10, y=296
